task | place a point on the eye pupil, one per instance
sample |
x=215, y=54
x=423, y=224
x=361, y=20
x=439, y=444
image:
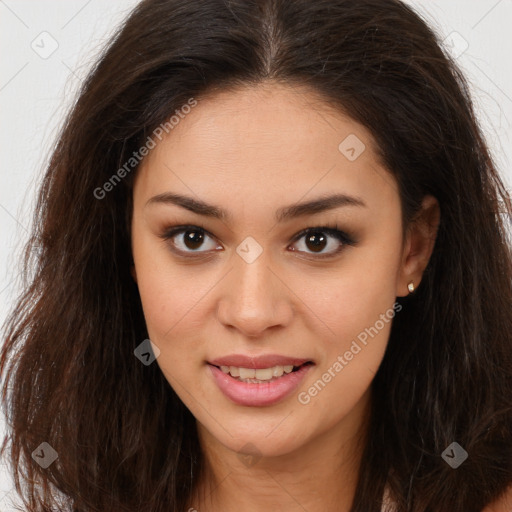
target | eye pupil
x=195, y=238
x=317, y=240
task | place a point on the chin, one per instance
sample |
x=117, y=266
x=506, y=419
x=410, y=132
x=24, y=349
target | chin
x=244, y=438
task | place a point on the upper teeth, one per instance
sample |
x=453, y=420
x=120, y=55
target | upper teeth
x=260, y=373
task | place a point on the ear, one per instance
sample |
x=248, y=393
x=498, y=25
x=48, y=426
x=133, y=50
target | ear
x=419, y=244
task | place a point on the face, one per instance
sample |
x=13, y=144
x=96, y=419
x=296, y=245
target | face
x=245, y=266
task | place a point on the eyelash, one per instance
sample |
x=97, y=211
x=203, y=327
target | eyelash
x=329, y=229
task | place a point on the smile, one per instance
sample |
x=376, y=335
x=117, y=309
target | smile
x=261, y=385
x=260, y=375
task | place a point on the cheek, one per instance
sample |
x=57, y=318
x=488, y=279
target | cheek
x=357, y=304
x=352, y=319
x=351, y=351
x=352, y=297
x=171, y=294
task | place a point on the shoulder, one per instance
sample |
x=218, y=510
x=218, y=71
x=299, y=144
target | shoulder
x=502, y=504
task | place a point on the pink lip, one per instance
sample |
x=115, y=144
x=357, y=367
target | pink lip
x=258, y=395
x=257, y=362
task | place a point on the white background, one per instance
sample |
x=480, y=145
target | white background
x=35, y=92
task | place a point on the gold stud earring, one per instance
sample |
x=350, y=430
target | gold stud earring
x=410, y=287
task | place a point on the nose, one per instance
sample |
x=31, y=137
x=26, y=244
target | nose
x=254, y=299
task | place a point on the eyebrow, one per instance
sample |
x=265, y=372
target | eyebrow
x=312, y=207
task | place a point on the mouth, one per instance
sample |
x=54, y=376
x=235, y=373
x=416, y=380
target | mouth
x=258, y=381
x=260, y=375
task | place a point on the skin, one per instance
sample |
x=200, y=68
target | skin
x=251, y=152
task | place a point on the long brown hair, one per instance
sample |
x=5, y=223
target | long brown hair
x=125, y=442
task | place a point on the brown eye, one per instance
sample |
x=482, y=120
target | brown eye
x=190, y=239
x=193, y=239
x=316, y=241
x=322, y=241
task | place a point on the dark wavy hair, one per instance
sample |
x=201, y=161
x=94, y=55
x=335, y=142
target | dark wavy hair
x=70, y=377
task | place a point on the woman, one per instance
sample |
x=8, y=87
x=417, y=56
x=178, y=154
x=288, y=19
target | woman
x=273, y=274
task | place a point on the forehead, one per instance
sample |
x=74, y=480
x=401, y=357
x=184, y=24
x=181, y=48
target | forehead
x=266, y=145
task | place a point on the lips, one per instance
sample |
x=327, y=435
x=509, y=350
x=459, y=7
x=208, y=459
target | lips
x=229, y=374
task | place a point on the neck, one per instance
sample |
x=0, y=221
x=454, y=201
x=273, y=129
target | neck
x=320, y=476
